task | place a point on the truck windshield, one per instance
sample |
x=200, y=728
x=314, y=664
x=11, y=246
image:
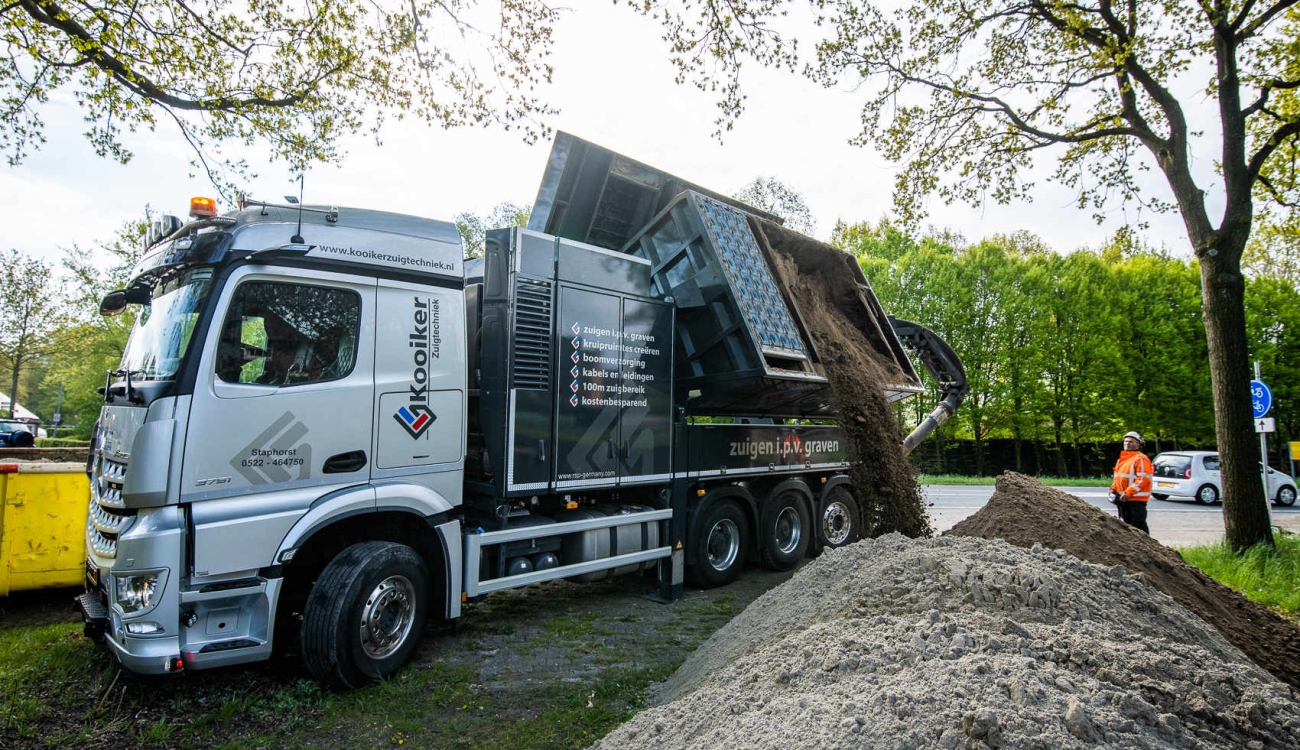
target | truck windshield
x=162, y=332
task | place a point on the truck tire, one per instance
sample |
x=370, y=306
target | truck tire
x=784, y=531
x=839, y=519
x=364, y=617
x=719, y=545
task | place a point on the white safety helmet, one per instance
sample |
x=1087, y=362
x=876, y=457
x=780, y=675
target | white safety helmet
x=1135, y=436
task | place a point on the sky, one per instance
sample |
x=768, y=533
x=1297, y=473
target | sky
x=613, y=85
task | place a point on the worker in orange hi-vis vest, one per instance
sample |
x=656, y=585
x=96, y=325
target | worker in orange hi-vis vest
x=1132, y=485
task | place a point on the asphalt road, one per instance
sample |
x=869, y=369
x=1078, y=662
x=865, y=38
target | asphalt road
x=1176, y=521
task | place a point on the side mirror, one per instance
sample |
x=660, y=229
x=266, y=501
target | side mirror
x=113, y=303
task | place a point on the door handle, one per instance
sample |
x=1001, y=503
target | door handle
x=345, y=463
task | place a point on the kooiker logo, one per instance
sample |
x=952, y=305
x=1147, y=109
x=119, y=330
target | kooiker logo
x=415, y=419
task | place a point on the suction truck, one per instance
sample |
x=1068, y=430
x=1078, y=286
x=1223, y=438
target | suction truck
x=329, y=427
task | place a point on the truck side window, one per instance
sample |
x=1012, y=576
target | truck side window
x=288, y=334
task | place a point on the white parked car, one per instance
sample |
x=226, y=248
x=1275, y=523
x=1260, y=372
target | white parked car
x=1195, y=474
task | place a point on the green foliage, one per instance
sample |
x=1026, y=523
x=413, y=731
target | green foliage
x=292, y=77
x=969, y=97
x=1274, y=249
x=1268, y=575
x=89, y=344
x=1077, y=348
x=473, y=228
x=775, y=197
x=30, y=312
x=61, y=443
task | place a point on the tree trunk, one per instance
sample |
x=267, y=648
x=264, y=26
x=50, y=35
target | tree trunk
x=13, y=391
x=979, y=454
x=1061, y=470
x=1245, y=512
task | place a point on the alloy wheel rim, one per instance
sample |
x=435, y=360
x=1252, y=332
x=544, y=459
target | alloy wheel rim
x=789, y=530
x=723, y=544
x=387, y=617
x=836, y=524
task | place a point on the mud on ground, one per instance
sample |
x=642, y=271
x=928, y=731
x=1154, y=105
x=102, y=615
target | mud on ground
x=1024, y=512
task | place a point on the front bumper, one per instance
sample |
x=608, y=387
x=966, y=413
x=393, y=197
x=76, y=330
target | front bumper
x=153, y=655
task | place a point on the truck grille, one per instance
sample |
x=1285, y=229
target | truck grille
x=108, y=514
x=532, y=339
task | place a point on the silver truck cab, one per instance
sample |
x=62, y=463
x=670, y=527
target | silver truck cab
x=294, y=385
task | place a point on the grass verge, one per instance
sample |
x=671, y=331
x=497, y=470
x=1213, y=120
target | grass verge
x=989, y=481
x=1267, y=575
x=552, y=666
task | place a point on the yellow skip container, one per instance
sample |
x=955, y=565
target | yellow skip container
x=42, y=525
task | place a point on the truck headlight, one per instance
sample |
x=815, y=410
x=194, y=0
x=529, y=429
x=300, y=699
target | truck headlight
x=135, y=593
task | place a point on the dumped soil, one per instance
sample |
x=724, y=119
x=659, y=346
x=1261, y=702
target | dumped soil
x=1024, y=512
x=820, y=281
x=965, y=643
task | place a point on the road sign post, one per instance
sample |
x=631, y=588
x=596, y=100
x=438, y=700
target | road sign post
x=1261, y=400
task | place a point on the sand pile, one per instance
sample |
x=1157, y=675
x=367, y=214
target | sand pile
x=821, y=283
x=965, y=643
x=1024, y=512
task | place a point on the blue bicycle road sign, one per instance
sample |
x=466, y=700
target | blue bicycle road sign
x=1261, y=398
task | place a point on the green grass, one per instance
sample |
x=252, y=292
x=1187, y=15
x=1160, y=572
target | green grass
x=1267, y=575
x=989, y=481
x=600, y=654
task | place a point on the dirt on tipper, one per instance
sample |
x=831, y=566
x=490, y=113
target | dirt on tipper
x=962, y=642
x=820, y=281
x=1025, y=512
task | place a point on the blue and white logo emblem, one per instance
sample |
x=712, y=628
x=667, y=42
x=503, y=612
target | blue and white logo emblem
x=415, y=419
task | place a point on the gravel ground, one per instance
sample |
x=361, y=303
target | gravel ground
x=965, y=643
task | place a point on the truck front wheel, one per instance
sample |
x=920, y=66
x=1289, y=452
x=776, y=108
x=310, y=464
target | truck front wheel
x=365, y=615
x=719, y=545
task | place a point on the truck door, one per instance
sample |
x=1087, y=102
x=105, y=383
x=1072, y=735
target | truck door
x=646, y=366
x=281, y=409
x=587, y=421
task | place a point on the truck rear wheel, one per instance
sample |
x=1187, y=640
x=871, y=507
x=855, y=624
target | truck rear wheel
x=839, y=520
x=365, y=615
x=784, y=531
x=719, y=545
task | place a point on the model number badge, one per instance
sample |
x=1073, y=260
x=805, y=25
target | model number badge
x=213, y=480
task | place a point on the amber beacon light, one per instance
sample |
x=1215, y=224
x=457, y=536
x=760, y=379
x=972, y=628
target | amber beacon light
x=202, y=207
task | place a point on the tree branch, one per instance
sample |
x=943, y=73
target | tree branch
x=1263, y=19
x=50, y=14
x=1259, y=104
x=1286, y=132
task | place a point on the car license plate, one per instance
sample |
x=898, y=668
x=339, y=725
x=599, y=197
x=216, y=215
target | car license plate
x=92, y=575
x=1164, y=484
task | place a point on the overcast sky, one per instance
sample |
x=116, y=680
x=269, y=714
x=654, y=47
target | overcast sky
x=613, y=85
